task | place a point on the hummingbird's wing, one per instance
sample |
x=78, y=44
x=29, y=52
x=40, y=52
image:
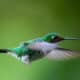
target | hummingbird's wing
x=62, y=54
x=52, y=51
x=40, y=49
x=43, y=47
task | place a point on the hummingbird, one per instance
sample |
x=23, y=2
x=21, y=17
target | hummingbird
x=45, y=46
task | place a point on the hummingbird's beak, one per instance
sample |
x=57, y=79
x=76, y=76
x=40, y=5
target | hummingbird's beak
x=59, y=39
x=71, y=38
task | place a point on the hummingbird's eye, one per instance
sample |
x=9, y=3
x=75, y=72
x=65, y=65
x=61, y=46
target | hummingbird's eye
x=52, y=37
x=56, y=39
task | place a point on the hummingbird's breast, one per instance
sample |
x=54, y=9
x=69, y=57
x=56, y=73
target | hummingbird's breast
x=40, y=46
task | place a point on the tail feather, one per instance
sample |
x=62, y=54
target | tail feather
x=4, y=51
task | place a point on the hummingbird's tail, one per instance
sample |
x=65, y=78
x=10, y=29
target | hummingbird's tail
x=4, y=50
x=71, y=38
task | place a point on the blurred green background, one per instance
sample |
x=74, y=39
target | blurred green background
x=22, y=20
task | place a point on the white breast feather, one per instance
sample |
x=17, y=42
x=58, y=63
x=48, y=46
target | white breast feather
x=42, y=46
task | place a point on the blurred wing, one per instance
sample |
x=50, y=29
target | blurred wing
x=62, y=54
x=40, y=49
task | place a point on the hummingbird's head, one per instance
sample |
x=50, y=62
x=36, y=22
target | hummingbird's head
x=54, y=37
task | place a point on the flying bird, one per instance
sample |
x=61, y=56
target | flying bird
x=45, y=46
